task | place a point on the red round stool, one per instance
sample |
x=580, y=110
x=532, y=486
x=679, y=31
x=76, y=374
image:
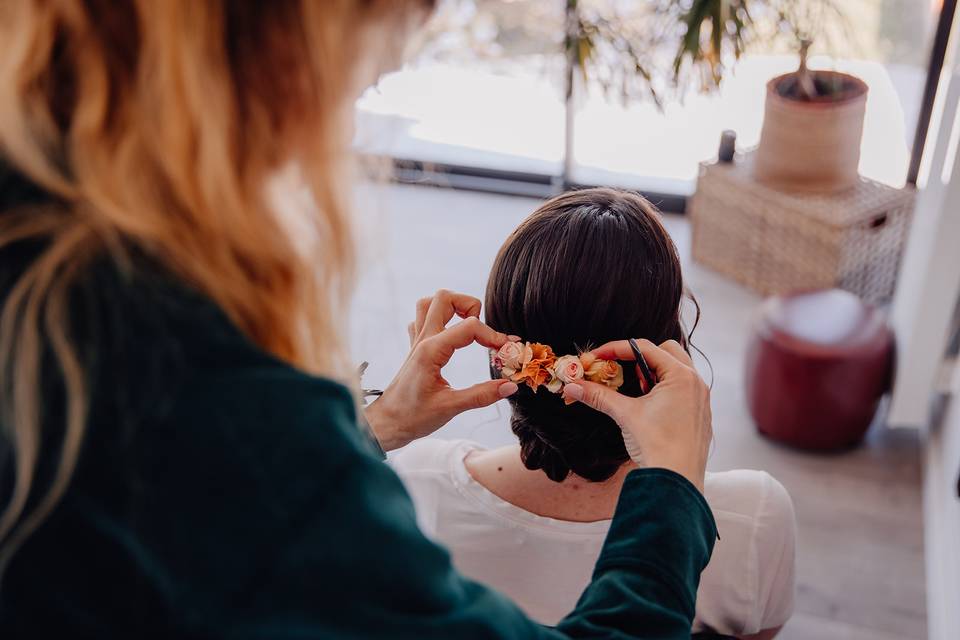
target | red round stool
x=817, y=365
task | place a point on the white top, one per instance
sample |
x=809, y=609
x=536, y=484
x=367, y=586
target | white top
x=543, y=564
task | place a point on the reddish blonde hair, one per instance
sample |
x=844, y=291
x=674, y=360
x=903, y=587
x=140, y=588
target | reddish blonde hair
x=156, y=125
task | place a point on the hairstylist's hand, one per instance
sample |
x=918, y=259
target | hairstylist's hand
x=419, y=401
x=671, y=425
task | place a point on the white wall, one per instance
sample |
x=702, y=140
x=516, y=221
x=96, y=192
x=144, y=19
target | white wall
x=929, y=282
x=927, y=295
x=942, y=525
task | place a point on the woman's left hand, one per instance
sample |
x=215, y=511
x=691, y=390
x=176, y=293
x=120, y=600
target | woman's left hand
x=419, y=401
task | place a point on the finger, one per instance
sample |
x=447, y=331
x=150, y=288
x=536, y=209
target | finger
x=412, y=332
x=662, y=362
x=473, y=330
x=440, y=347
x=597, y=396
x=480, y=395
x=422, y=305
x=442, y=309
x=675, y=349
x=618, y=350
x=644, y=387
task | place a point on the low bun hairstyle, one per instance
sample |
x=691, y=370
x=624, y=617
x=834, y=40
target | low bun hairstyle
x=585, y=268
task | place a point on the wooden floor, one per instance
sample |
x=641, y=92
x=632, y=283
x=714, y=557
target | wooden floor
x=860, y=547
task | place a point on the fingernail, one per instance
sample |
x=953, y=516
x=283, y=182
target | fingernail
x=513, y=338
x=507, y=390
x=573, y=391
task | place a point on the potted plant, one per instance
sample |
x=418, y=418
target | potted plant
x=813, y=122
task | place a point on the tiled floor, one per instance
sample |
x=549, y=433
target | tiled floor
x=860, y=555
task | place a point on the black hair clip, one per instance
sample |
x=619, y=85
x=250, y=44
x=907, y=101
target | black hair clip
x=642, y=364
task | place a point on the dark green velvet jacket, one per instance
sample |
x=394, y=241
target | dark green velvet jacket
x=221, y=493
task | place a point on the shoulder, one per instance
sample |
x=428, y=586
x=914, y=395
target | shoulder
x=753, y=494
x=429, y=456
x=432, y=472
x=755, y=557
x=183, y=367
x=175, y=376
x=268, y=393
x=756, y=512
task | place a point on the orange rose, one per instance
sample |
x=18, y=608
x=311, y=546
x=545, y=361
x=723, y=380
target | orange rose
x=587, y=359
x=608, y=372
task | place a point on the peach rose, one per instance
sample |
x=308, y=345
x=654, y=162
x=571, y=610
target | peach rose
x=568, y=369
x=554, y=385
x=512, y=356
x=608, y=372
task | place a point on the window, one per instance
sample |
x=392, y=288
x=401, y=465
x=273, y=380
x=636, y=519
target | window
x=884, y=42
x=487, y=92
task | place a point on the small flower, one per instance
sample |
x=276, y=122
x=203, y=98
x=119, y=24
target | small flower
x=554, y=385
x=535, y=365
x=533, y=373
x=527, y=354
x=511, y=355
x=608, y=372
x=542, y=354
x=568, y=369
x=587, y=359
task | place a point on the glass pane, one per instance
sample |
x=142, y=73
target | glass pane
x=484, y=91
x=884, y=42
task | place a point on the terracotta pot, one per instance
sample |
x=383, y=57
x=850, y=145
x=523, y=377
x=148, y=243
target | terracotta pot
x=812, y=146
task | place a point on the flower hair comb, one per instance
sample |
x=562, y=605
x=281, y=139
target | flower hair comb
x=536, y=365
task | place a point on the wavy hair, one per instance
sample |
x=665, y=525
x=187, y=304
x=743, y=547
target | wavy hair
x=155, y=127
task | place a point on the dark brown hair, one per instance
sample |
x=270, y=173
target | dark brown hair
x=585, y=268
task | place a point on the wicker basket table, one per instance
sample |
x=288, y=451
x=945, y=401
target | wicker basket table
x=777, y=242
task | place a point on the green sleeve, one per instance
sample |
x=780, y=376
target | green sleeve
x=645, y=582
x=355, y=565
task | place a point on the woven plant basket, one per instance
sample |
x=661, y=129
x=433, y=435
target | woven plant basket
x=777, y=242
x=812, y=146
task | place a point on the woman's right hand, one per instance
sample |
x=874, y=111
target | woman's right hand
x=671, y=425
